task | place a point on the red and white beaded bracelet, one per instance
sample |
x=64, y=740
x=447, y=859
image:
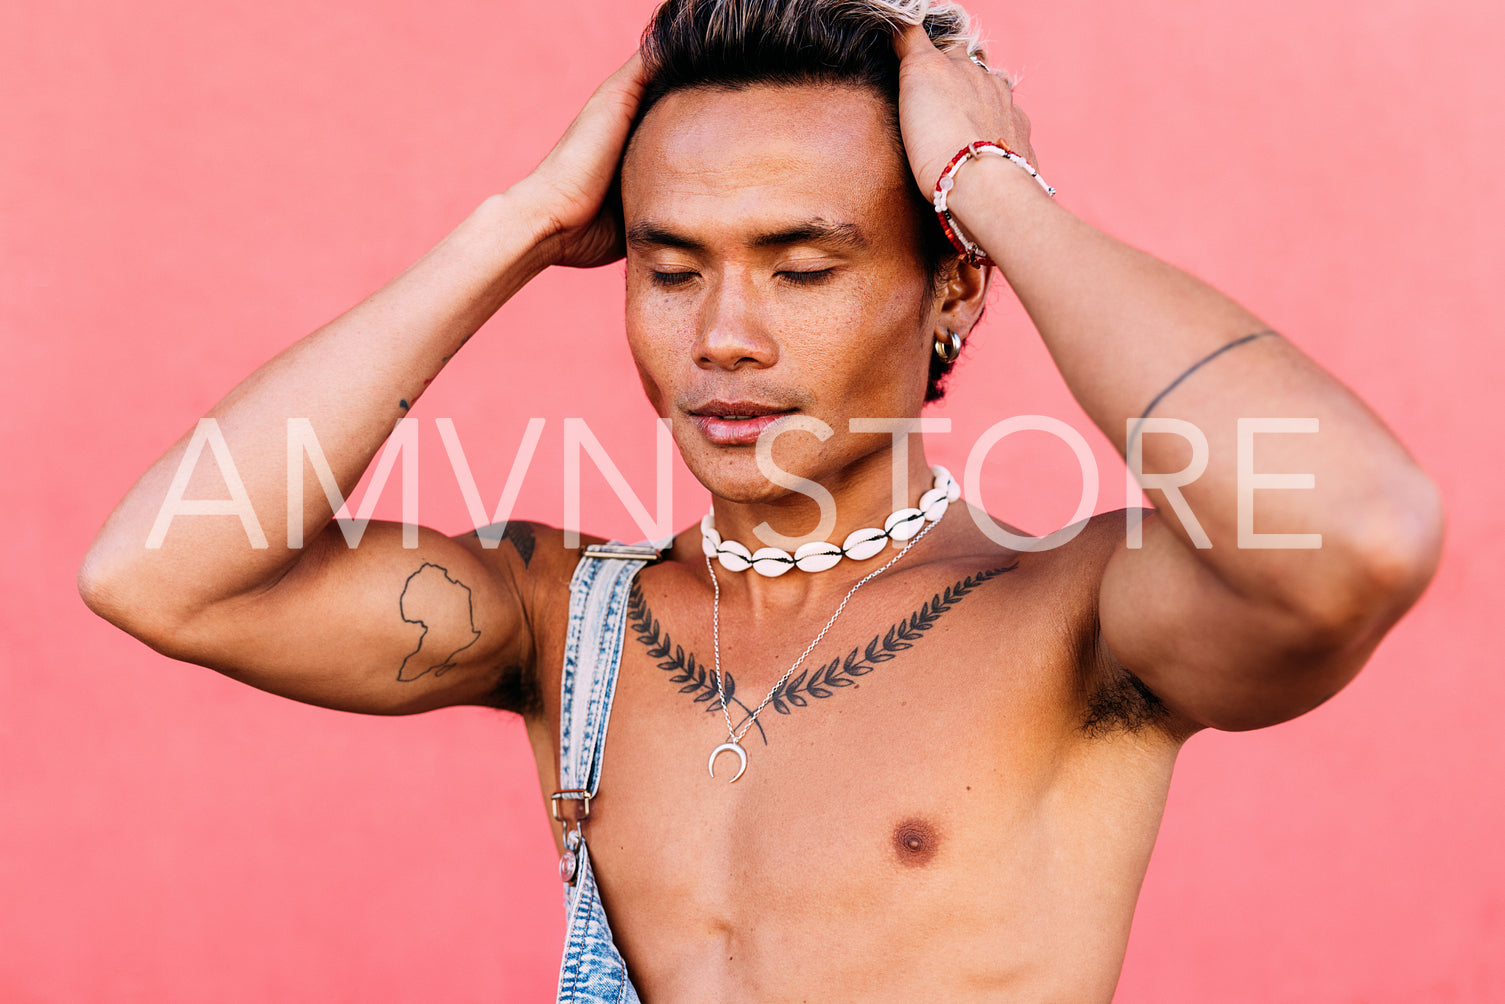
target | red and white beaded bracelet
x=974, y=254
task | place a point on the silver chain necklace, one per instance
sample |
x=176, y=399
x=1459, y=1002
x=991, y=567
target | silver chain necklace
x=734, y=736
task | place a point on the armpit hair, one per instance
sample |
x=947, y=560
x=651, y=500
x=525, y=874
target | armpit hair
x=516, y=691
x=1116, y=700
x=1122, y=703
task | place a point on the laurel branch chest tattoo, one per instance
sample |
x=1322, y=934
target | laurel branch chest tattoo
x=697, y=681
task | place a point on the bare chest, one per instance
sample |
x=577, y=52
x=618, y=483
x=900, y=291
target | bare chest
x=924, y=750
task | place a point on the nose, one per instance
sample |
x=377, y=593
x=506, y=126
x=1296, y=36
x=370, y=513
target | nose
x=733, y=334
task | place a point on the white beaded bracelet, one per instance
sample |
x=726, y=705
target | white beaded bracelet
x=974, y=254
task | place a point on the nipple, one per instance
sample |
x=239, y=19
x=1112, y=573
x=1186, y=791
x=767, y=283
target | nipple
x=916, y=842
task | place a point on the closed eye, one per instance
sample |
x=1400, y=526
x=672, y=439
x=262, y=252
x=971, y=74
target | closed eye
x=809, y=278
x=670, y=279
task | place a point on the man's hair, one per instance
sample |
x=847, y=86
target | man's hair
x=732, y=44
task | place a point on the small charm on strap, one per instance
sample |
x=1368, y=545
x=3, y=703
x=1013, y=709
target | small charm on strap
x=570, y=807
x=569, y=861
x=972, y=252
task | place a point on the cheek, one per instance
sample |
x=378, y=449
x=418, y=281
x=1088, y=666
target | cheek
x=650, y=371
x=654, y=350
x=892, y=339
x=651, y=387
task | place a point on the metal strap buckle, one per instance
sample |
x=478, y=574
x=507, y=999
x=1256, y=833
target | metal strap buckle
x=635, y=552
x=578, y=795
x=574, y=840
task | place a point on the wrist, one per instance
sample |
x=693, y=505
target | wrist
x=980, y=181
x=992, y=177
x=521, y=228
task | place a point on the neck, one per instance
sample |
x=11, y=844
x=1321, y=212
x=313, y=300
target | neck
x=862, y=496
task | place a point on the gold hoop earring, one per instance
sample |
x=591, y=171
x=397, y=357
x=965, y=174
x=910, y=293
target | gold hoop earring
x=948, y=348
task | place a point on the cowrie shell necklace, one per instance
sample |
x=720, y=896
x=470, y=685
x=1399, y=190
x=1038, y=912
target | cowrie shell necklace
x=817, y=556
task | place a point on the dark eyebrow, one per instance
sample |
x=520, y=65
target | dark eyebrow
x=840, y=235
x=644, y=234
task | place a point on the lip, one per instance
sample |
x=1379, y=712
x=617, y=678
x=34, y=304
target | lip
x=735, y=423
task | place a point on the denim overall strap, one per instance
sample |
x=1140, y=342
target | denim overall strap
x=592, y=651
x=592, y=970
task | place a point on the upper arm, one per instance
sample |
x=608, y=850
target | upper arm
x=378, y=628
x=1213, y=657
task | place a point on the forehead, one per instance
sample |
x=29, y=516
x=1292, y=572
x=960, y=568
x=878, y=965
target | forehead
x=762, y=156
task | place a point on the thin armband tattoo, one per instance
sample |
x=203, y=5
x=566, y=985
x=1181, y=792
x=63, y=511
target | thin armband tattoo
x=1245, y=340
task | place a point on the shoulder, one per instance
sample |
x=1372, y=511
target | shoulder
x=1067, y=571
x=1065, y=568
x=532, y=556
x=531, y=560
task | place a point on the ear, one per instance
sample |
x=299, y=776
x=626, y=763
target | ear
x=961, y=299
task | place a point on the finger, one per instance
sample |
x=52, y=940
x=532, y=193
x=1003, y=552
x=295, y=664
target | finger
x=630, y=71
x=914, y=41
x=610, y=110
x=628, y=80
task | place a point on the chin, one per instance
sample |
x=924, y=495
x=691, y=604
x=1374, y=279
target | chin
x=731, y=473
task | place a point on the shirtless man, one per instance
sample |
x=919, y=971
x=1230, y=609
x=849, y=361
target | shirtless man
x=957, y=792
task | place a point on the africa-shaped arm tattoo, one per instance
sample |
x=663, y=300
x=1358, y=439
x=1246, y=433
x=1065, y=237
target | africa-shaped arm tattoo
x=441, y=605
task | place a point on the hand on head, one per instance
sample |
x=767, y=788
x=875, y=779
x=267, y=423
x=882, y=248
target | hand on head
x=947, y=100
x=573, y=187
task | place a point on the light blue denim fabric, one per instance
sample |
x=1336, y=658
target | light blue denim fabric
x=592, y=971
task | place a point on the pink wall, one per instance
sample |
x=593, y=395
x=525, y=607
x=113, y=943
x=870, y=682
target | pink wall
x=184, y=188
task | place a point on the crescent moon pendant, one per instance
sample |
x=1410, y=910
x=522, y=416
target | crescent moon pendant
x=741, y=758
